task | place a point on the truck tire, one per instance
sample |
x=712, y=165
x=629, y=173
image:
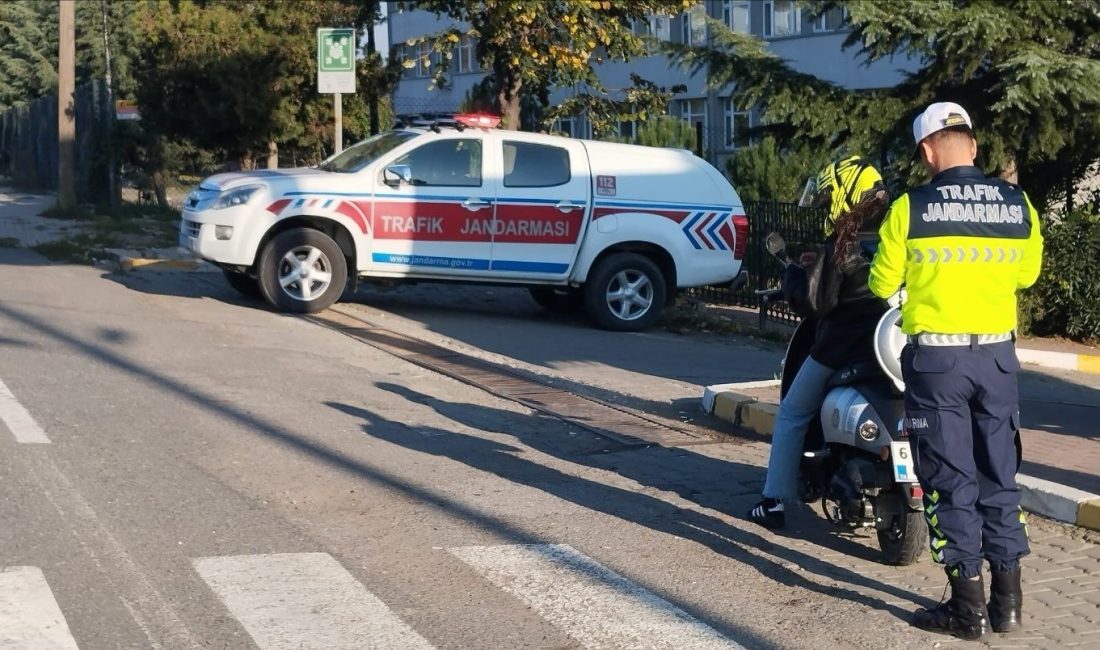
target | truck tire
x=559, y=300
x=302, y=271
x=625, y=292
x=903, y=542
x=245, y=284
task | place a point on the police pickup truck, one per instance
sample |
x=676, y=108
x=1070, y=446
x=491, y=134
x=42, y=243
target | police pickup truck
x=616, y=228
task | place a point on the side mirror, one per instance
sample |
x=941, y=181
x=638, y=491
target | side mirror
x=775, y=244
x=395, y=175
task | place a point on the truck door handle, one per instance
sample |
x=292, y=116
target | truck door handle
x=474, y=204
x=567, y=206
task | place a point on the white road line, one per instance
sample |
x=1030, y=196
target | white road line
x=304, y=600
x=22, y=425
x=29, y=615
x=592, y=604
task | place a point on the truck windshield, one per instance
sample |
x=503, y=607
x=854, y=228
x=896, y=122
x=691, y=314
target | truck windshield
x=361, y=154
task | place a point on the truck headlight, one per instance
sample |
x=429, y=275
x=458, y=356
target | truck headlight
x=236, y=196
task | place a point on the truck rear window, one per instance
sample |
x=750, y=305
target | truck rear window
x=535, y=165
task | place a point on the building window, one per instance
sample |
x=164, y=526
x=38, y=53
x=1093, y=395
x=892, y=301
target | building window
x=737, y=126
x=628, y=131
x=831, y=20
x=695, y=25
x=694, y=111
x=659, y=27
x=735, y=13
x=424, y=60
x=407, y=56
x=782, y=18
x=465, y=53
x=573, y=127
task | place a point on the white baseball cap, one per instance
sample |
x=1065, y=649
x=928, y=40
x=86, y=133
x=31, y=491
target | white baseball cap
x=939, y=116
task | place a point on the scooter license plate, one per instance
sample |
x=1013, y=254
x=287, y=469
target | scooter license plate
x=901, y=457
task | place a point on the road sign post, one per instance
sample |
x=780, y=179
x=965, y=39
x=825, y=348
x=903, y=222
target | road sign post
x=336, y=71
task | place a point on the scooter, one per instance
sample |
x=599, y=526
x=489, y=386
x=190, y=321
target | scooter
x=856, y=458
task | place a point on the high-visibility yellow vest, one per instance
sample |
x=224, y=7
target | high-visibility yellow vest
x=962, y=245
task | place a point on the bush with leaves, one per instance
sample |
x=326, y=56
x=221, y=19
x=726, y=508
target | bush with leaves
x=1065, y=301
x=766, y=172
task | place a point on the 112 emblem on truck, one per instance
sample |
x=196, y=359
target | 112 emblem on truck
x=616, y=228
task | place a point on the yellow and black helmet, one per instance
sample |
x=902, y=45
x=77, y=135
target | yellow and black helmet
x=840, y=187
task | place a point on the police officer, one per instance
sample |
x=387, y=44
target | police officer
x=962, y=245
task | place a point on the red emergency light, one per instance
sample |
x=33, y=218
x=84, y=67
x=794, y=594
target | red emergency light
x=478, y=120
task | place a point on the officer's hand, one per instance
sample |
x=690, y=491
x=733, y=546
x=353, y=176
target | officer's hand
x=807, y=260
x=898, y=299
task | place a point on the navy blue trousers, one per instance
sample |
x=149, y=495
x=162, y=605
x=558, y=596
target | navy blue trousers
x=962, y=414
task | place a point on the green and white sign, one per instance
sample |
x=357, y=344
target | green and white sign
x=335, y=60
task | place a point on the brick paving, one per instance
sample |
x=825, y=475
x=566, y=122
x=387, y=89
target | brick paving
x=1061, y=575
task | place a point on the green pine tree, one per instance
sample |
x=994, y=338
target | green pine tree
x=1027, y=71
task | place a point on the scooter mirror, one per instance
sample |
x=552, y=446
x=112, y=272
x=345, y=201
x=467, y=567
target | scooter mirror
x=775, y=244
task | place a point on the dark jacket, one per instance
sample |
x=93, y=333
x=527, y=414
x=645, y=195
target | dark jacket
x=836, y=296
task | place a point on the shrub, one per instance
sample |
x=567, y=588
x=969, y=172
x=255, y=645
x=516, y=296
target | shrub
x=1065, y=301
x=765, y=172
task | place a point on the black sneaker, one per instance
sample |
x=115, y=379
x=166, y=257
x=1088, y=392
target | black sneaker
x=768, y=513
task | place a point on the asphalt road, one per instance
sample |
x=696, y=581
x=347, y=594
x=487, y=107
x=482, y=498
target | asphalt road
x=220, y=476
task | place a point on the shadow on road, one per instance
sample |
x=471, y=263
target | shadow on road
x=315, y=451
x=714, y=484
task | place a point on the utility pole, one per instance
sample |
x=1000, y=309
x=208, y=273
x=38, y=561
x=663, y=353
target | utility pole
x=112, y=185
x=372, y=93
x=66, y=109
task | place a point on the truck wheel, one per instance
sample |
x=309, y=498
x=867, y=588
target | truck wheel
x=561, y=300
x=625, y=292
x=903, y=541
x=245, y=284
x=302, y=271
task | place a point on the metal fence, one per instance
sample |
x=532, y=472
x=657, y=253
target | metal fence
x=801, y=227
x=28, y=142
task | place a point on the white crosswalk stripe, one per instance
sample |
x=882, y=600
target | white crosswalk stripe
x=592, y=604
x=304, y=600
x=21, y=424
x=29, y=615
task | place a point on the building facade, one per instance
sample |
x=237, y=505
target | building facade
x=810, y=45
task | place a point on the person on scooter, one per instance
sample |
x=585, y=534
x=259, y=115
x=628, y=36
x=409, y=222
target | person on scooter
x=833, y=291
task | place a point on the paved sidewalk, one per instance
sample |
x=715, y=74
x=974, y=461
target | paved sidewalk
x=19, y=220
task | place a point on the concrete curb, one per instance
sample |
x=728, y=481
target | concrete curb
x=128, y=264
x=1039, y=496
x=1062, y=360
x=156, y=259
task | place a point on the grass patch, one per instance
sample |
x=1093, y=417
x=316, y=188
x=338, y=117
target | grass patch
x=9, y=242
x=688, y=318
x=80, y=249
x=128, y=226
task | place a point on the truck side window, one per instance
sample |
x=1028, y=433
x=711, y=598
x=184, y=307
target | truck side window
x=535, y=165
x=453, y=163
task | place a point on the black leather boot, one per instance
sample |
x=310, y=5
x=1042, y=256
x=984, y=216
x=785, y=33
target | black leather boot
x=1006, y=599
x=963, y=615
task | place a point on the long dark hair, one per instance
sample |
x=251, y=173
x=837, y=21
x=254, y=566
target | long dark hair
x=868, y=213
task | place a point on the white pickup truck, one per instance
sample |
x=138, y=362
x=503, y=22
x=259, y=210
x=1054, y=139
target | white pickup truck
x=617, y=228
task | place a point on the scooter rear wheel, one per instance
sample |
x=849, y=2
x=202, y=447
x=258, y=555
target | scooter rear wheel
x=904, y=540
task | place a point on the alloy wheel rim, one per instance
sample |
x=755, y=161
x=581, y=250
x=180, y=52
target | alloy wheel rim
x=305, y=273
x=629, y=294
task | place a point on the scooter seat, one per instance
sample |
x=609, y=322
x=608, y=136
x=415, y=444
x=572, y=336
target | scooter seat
x=855, y=373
